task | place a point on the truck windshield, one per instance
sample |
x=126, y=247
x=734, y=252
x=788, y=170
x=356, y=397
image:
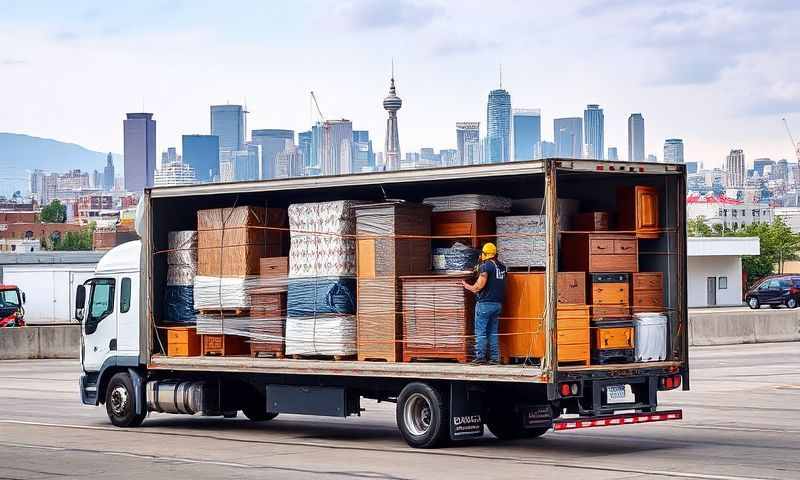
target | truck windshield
x=9, y=298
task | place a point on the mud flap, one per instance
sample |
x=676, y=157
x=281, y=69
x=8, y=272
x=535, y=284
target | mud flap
x=466, y=411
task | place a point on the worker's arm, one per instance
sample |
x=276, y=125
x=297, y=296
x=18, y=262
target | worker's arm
x=478, y=286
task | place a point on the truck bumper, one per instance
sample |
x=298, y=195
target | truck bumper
x=612, y=420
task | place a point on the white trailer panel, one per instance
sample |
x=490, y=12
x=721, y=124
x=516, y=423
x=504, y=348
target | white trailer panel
x=49, y=289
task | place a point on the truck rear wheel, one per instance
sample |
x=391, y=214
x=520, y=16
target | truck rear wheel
x=121, y=402
x=258, y=413
x=505, y=424
x=422, y=416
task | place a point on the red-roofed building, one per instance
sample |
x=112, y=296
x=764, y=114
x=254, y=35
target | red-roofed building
x=732, y=214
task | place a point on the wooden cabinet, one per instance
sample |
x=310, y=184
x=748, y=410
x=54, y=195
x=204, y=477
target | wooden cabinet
x=224, y=345
x=267, y=324
x=638, y=212
x=610, y=295
x=522, y=324
x=612, y=341
x=599, y=252
x=648, y=292
x=474, y=227
x=571, y=288
x=438, y=317
x=392, y=242
x=183, y=342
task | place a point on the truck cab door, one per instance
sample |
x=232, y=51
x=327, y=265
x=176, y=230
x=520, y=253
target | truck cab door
x=99, y=328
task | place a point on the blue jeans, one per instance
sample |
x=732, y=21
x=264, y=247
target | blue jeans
x=487, y=320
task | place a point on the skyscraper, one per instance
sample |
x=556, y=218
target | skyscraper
x=593, y=125
x=363, y=158
x=613, y=154
x=304, y=142
x=527, y=129
x=392, y=104
x=651, y=158
x=544, y=149
x=108, y=174
x=201, y=152
x=229, y=124
x=568, y=133
x=272, y=141
x=673, y=150
x=734, y=165
x=290, y=162
x=468, y=142
x=337, y=142
x=498, y=126
x=448, y=157
x=636, y=138
x=139, y=150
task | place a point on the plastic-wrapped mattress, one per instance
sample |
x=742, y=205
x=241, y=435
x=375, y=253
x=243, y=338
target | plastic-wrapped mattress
x=520, y=240
x=321, y=335
x=454, y=203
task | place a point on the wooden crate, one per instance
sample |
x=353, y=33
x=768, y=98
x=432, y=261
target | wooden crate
x=571, y=288
x=638, y=211
x=183, y=342
x=224, y=345
x=438, y=317
x=268, y=318
x=383, y=254
x=599, y=252
x=473, y=227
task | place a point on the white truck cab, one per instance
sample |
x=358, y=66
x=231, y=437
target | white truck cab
x=108, y=306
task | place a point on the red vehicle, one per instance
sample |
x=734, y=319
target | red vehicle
x=12, y=314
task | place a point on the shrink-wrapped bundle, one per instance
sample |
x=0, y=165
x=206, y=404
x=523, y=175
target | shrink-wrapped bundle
x=181, y=271
x=321, y=295
x=456, y=203
x=321, y=335
x=520, y=240
x=458, y=258
x=223, y=293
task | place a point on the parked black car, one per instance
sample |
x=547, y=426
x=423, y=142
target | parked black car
x=775, y=291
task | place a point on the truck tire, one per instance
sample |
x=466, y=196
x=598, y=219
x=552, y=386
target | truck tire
x=506, y=425
x=258, y=413
x=121, y=402
x=422, y=416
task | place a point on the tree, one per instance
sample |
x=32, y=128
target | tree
x=778, y=244
x=55, y=212
x=697, y=227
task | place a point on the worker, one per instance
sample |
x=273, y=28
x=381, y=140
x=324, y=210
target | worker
x=489, y=289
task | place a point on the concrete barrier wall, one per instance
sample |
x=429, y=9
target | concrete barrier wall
x=58, y=341
x=728, y=327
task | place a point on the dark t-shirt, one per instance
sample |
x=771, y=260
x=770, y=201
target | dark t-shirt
x=495, y=288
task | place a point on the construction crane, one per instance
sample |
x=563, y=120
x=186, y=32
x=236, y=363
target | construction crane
x=319, y=112
x=795, y=146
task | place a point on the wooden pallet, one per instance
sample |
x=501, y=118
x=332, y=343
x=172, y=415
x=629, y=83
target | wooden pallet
x=226, y=312
x=605, y=357
x=436, y=357
x=323, y=357
x=266, y=349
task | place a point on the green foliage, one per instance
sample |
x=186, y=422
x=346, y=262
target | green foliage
x=81, y=240
x=697, y=227
x=55, y=212
x=778, y=244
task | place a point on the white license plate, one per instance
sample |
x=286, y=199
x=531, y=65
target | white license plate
x=617, y=394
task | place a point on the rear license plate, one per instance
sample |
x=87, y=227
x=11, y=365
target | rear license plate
x=617, y=394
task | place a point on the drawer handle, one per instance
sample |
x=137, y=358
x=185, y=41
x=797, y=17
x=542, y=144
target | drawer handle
x=599, y=247
x=573, y=284
x=623, y=247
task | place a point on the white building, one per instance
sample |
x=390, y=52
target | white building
x=174, y=173
x=790, y=216
x=714, y=269
x=731, y=214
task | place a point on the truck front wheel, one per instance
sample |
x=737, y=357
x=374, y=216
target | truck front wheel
x=422, y=416
x=121, y=402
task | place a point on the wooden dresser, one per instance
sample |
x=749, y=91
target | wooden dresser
x=267, y=324
x=571, y=288
x=438, y=317
x=648, y=292
x=637, y=211
x=382, y=258
x=610, y=295
x=522, y=327
x=474, y=227
x=182, y=342
x=599, y=252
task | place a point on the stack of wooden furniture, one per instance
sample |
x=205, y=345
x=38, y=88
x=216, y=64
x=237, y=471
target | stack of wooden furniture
x=637, y=211
x=521, y=324
x=599, y=252
x=183, y=342
x=438, y=316
x=393, y=241
x=648, y=292
x=268, y=309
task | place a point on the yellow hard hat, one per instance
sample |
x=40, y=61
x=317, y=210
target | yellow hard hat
x=489, y=249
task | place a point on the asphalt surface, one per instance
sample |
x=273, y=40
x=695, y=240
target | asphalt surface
x=742, y=421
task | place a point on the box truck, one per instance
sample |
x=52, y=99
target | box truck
x=125, y=367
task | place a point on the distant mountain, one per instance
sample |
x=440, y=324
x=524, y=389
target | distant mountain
x=21, y=154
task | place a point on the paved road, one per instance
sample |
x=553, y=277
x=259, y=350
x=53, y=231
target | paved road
x=742, y=422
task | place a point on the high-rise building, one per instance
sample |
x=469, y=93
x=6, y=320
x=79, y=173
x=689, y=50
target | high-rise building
x=37, y=184
x=498, y=126
x=782, y=170
x=316, y=149
x=410, y=161
x=613, y=154
x=363, y=158
x=527, y=130
x=636, y=138
x=174, y=173
x=468, y=142
x=673, y=150
x=337, y=142
x=108, y=174
x=97, y=180
x=651, y=158
x=428, y=158
x=448, y=157
x=201, y=152
x=229, y=124
x=593, y=127
x=544, y=149
x=290, y=162
x=568, y=133
x=240, y=165
x=305, y=141
x=139, y=131
x=169, y=156
x=734, y=166
x=691, y=167
x=272, y=141
x=391, y=104
x=760, y=164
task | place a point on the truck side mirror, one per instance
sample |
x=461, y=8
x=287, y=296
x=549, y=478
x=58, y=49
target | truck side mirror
x=23, y=298
x=80, y=301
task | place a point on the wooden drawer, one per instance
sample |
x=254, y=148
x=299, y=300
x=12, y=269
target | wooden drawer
x=572, y=288
x=574, y=353
x=648, y=281
x=572, y=336
x=572, y=312
x=625, y=246
x=613, y=338
x=573, y=323
x=601, y=246
x=648, y=300
x=606, y=311
x=613, y=263
x=610, y=294
x=183, y=342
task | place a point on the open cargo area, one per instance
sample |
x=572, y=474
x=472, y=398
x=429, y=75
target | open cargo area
x=361, y=275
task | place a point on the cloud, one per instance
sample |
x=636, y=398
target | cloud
x=773, y=98
x=10, y=62
x=457, y=46
x=65, y=36
x=378, y=14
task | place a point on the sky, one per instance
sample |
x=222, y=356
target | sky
x=718, y=74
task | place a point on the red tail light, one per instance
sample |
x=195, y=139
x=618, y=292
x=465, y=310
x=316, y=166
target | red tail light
x=670, y=383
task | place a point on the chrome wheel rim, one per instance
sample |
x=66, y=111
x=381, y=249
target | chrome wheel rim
x=753, y=302
x=418, y=414
x=119, y=401
x=791, y=303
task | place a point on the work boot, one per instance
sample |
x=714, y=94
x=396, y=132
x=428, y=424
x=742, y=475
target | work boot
x=478, y=361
